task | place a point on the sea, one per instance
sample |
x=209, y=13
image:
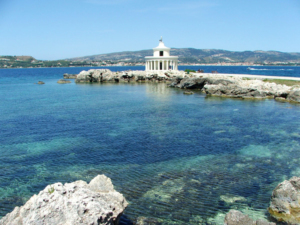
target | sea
x=181, y=159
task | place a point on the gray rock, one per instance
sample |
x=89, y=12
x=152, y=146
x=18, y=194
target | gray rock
x=264, y=222
x=235, y=217
x=63, y=81
x=95, y=75
x=72, y=203
x=188, y=93
x=192, y=83
x=70, y=76
x=175, y=81
x=294, y=96
x=285, y=201
x=147, y=221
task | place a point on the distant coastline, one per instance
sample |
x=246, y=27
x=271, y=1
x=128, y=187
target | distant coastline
x=139, y=65
x=186, y=57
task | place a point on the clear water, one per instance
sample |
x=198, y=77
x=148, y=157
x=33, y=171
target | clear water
x=184, y=159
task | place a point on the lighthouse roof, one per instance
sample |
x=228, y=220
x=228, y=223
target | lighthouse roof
x=161, y=46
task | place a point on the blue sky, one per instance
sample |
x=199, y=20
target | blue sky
x=58, y=29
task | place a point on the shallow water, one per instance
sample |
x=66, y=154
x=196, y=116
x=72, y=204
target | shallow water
x=184, y=159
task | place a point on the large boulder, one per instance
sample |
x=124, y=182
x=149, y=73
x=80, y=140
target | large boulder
x=94, y=75
x=235, y=217
x=285, y=201
x=72, y=203
x=294, y=96
x=192, y=83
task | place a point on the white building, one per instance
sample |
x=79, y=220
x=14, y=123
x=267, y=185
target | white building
x=161, y=59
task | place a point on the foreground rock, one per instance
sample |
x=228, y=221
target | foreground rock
x=73, y=203
x=285, y=201
x=235, y=217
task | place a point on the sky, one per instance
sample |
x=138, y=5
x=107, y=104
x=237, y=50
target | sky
x=59, y=29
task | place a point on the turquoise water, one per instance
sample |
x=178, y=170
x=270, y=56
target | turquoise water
x=184, y=159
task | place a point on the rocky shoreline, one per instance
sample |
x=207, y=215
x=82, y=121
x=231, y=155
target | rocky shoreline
x=99, y=203
x=72, y=203
x=212, y=84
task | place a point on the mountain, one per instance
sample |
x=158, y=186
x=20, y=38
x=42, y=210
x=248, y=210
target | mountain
x=192, y=55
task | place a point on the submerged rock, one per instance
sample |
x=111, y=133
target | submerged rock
x=188, y=93
x=63, y=82
x=40, y=82
x=147, y=221
x=232, y=198
x=71, y=203
x=285, y=201
x=235, y=217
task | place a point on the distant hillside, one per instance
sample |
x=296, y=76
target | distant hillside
x=191, y=55
x=7, y=61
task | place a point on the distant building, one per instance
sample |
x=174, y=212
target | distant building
x=161, y=59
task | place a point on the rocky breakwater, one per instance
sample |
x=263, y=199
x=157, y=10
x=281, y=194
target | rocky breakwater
x=71, y=203
x=105, y=75
x=238, y=87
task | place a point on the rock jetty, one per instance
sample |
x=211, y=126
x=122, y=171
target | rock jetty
x=212, y=84
x=237, y=87
x=105, y=75
x=72, y=203
x=285, y=201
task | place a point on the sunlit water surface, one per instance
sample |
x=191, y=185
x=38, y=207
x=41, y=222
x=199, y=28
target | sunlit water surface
x=184, y=159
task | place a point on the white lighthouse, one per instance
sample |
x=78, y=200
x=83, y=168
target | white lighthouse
x=161, y=59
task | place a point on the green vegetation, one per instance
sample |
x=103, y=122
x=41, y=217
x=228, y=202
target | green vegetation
x=189, y=71
x=51, y=190
x=286, y=82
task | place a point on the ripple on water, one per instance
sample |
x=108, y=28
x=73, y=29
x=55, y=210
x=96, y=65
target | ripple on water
x=181, y=159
